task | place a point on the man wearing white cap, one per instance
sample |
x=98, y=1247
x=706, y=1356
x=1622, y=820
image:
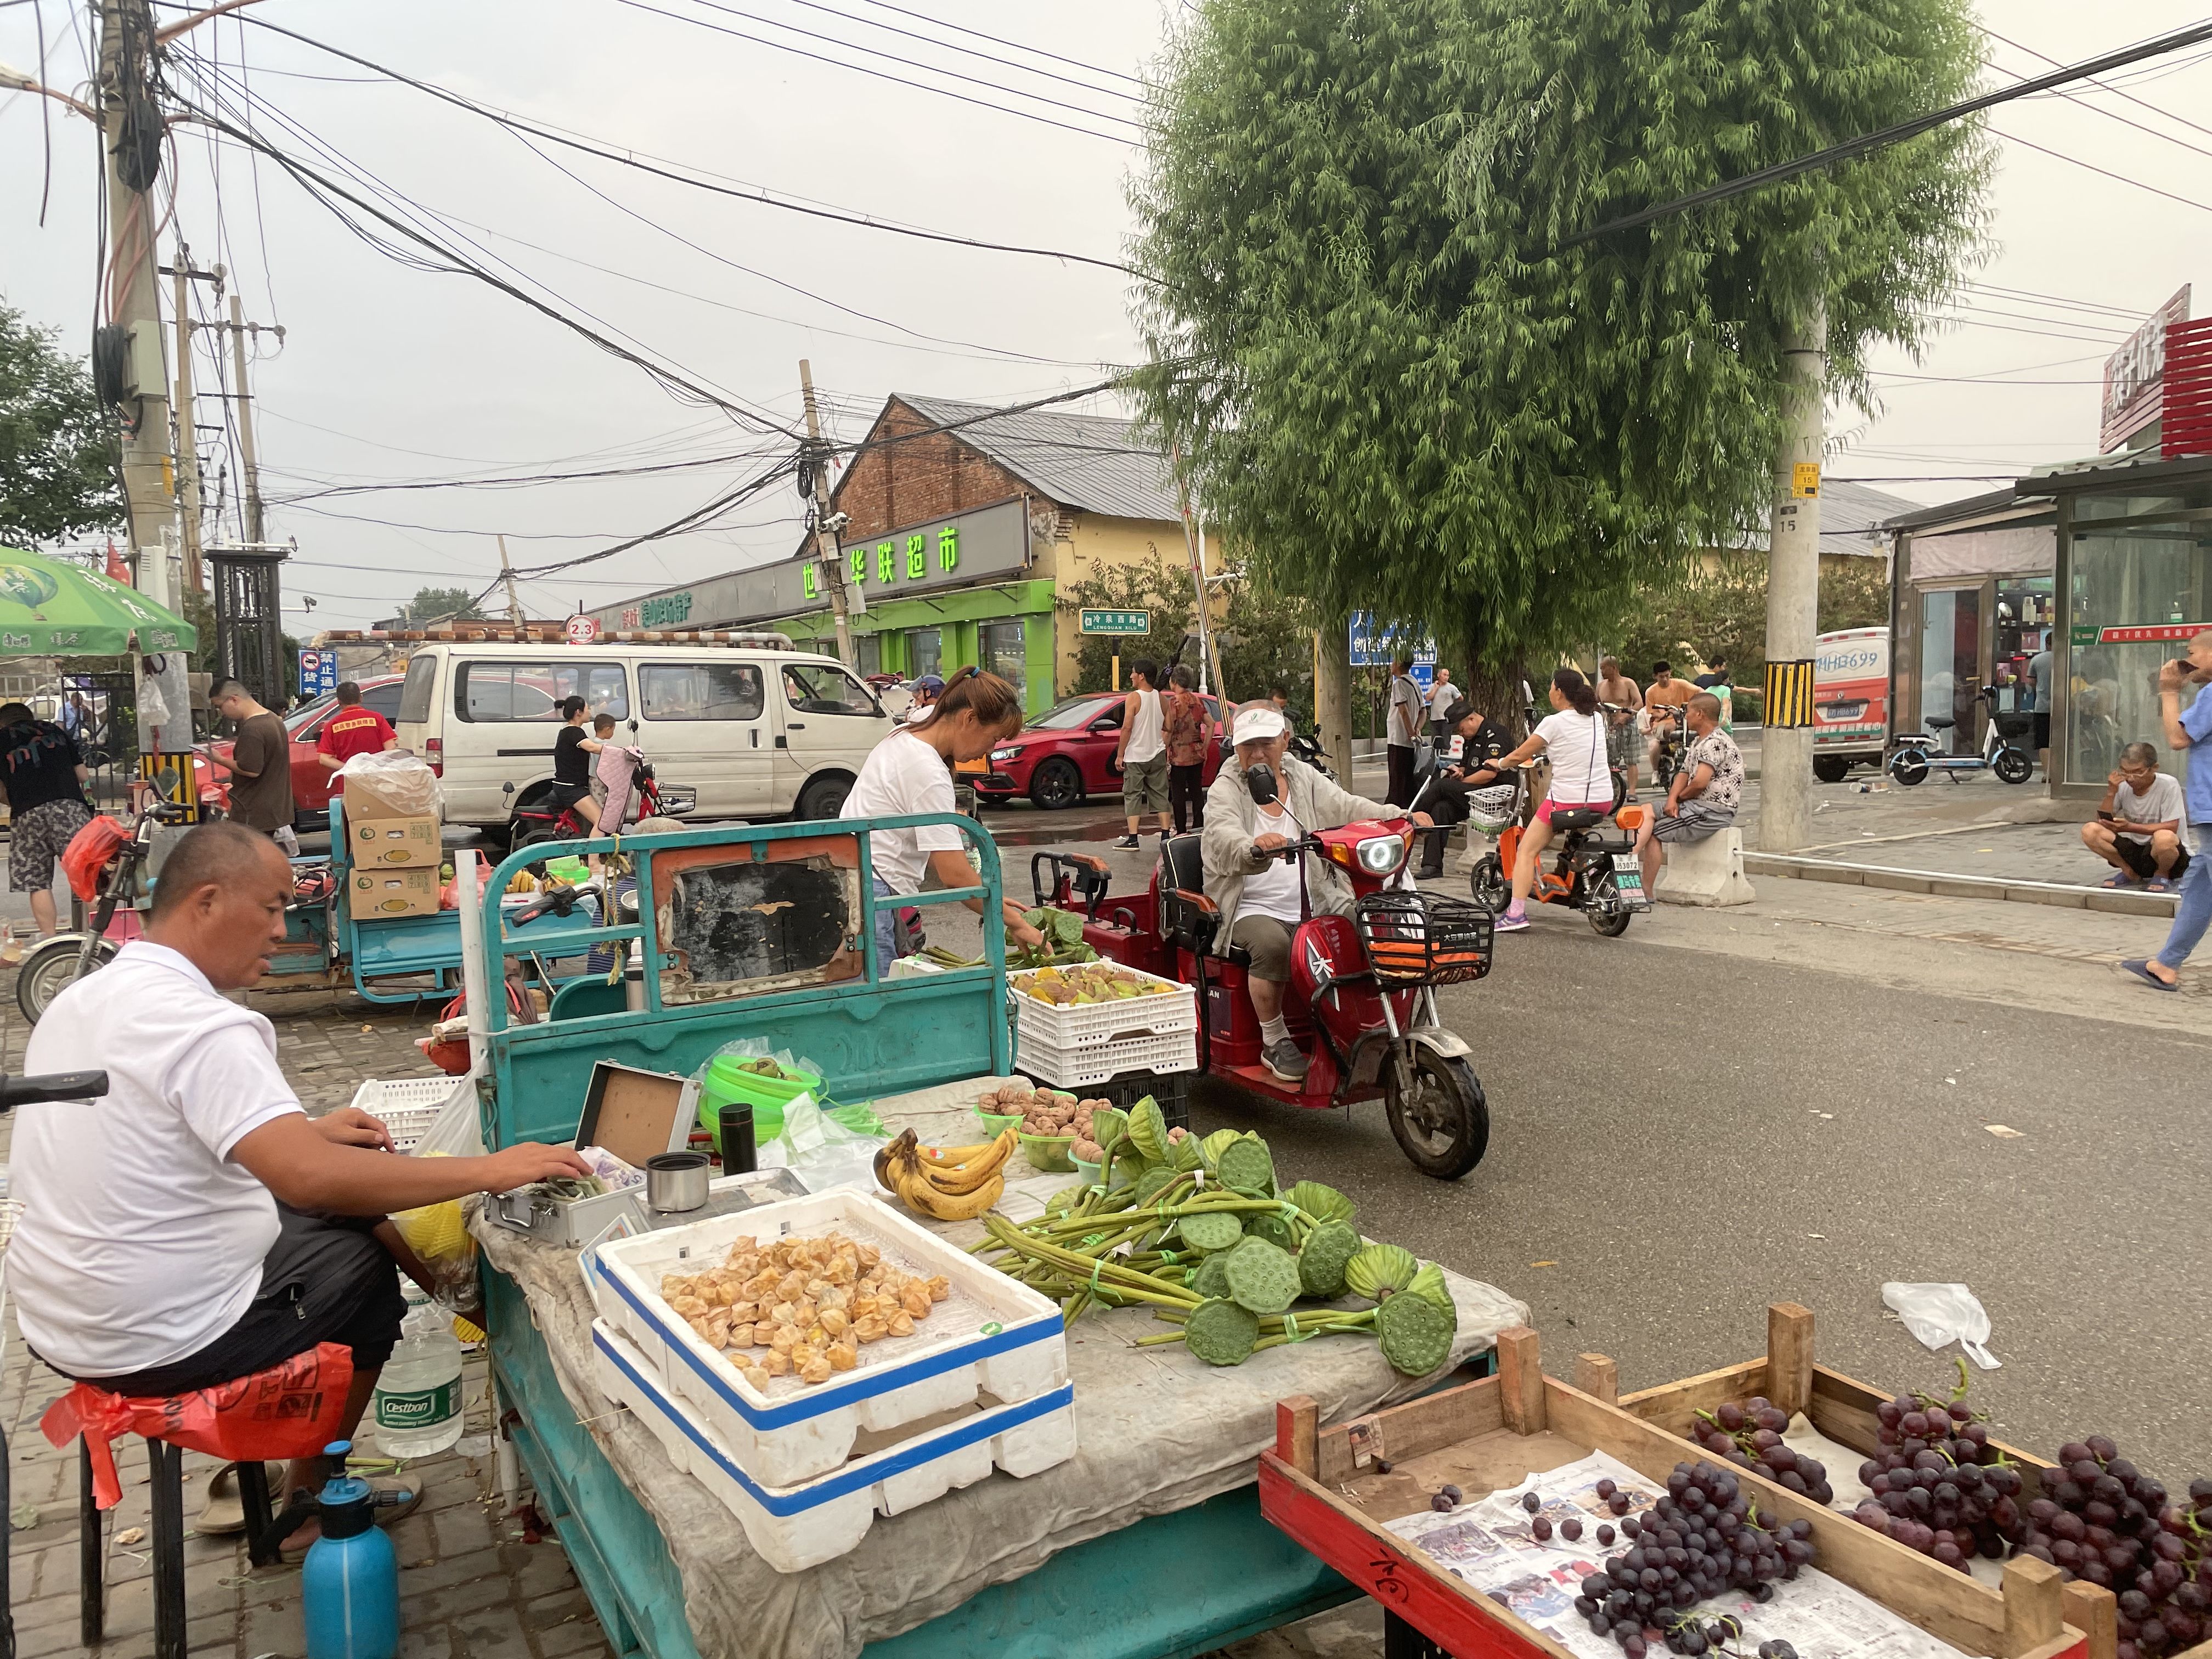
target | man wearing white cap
x=1264, y=799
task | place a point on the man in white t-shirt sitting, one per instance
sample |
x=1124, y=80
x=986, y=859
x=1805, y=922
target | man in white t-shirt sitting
x=1263, y=801
x=194, y=1226
x=2138, y=829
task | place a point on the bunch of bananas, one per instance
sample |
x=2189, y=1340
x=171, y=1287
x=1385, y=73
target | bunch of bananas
x=945, y=1183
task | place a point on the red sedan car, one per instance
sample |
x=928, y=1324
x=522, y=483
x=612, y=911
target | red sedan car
x=1067, y=754
x=311, y=780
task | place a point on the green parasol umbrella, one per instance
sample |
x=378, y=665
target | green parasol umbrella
x=49, y=607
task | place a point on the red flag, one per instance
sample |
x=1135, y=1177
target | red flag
x=117, y=570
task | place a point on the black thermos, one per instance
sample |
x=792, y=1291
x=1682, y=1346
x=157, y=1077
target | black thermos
x=736, y=1125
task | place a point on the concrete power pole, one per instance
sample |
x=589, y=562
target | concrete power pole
x=514, y=602
x=131, y=138
x=188, y=447
x=1793, y=592
x=249, y=464
x=825, y=538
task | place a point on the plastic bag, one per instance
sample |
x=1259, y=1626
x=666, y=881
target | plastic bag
x=289, y=1411
x=90, y=851
x=1938, y=1314
x=400, y=780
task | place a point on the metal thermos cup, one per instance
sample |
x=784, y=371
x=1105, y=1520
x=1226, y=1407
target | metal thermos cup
x=736, y=1123
x=675, y=1182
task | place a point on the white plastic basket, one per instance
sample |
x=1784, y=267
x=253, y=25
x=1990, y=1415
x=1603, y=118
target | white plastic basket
x=407, y=1106
x=993, y=1335
x=1094, y=1063
x=804, y=1523
x=1093, y=1024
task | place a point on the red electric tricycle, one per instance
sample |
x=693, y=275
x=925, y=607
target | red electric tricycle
x=1362, y=998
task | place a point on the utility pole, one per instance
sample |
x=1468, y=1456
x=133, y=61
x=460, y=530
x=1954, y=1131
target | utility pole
x=825, y=538
x=132, y=138
x=1333, y=695
x=1793, y=590
x=244, y=396
x=514, y=602
x=188, y=447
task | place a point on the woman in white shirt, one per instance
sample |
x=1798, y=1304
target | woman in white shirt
x=910, y=771
x=1573, y=736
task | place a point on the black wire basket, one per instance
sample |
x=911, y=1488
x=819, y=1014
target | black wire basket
x=1416, y=938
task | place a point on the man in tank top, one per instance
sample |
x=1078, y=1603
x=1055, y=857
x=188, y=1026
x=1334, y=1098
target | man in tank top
x=1141, y=755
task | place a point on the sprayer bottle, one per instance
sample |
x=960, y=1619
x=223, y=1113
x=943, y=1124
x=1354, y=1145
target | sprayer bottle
x=349, y=1583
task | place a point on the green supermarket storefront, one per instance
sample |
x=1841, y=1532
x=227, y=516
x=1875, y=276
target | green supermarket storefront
x=929, y=598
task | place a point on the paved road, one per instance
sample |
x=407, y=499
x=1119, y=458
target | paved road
x=1791, y=1100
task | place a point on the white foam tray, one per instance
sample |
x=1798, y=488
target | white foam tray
x=991, y=1335
x=804, y=1524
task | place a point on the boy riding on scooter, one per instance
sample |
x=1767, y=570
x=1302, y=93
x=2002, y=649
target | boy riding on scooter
x=1263, y=801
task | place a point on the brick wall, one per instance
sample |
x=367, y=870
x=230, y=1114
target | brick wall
x=921, y=479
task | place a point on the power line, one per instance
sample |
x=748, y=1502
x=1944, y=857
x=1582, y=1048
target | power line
x=1851, y=148
x=954, y=45
x=644, y=163
x=998, y=41
x=2186, y=201
x=2080, y=102
x=2132, y=315
x=2102, y=86
x=880, y=75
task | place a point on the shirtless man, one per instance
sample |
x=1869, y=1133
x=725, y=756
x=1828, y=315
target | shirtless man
x=1617, y=689
x=1670, y=693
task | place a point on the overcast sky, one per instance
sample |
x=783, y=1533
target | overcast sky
x=392, y=374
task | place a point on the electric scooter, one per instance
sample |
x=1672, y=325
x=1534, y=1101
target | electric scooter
x=61, y=959
x=1916, y=755
x=1362, y=996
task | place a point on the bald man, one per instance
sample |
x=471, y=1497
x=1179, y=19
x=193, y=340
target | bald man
x=194, y=1226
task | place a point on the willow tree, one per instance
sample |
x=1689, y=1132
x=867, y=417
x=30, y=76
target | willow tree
x=1398, y=375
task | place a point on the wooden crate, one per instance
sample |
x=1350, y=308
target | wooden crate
x=1843, y=1408
x=1492, y=1434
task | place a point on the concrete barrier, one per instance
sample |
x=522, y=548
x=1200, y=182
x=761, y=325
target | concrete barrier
x=1708, y=872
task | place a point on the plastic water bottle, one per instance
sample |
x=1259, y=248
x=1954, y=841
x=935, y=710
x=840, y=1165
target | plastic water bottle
x=418, y=1405
x=349, y=1583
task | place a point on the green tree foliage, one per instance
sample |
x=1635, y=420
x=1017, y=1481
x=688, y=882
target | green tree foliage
x=1721, y=612
x=1402, y=394
x=57, y=448
x=1153, y=585
x=1267, y=638
x=438, y=605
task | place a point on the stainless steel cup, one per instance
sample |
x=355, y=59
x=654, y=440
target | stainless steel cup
x=675, y=1182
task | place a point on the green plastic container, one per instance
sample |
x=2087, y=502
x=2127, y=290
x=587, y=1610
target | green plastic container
x=1047, y=1154
x=767, y=1096
x=997, y=1123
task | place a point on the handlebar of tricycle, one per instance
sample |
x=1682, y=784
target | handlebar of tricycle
x=51, y=1085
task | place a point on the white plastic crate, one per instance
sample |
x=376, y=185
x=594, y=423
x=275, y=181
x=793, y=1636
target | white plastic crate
x=1095, y=1022
x=805, y=1523
x=1081, y=1068
x=407, y=1106
x=991, y=1335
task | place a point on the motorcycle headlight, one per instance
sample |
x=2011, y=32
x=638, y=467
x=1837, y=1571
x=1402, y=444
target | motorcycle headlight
x=1015, y=753
x=1380, y=855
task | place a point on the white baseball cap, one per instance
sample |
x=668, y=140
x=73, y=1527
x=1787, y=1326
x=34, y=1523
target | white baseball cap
x=1257, y=724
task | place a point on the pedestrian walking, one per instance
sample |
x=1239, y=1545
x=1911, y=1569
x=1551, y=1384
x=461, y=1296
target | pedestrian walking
x=44, y=774
x=1442, y=696
x=1142, y=755
x=1184, y=728
x=2190, y=729
x=1404, y=729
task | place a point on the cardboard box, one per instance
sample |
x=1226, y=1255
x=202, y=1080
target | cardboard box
x=377, y=834
x=402, y=892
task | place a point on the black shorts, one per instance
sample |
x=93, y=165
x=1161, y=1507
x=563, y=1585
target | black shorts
x=566, y=794
x=327, y=1278
x=2042, y=729
x=2134, y=851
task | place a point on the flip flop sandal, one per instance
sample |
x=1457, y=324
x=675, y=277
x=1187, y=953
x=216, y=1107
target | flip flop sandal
x=2117, y=882
x=224, y=1513
x=2140, y=967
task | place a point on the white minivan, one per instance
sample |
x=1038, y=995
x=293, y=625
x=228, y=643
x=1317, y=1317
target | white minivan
x=732, y=732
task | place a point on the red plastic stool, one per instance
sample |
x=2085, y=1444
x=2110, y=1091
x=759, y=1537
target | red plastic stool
x=289, y=1411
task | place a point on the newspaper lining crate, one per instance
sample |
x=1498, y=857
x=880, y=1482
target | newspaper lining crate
x=1088, y=1025
x=805, y=1523
x=1086, y=1068
x=991, y=1335
x=1332, y=1489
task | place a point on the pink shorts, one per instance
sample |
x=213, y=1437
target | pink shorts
x=1544, y=812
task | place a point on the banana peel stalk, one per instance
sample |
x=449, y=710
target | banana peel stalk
x=945, y=1183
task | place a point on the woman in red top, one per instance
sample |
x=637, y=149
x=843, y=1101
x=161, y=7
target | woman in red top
x=1183, y=728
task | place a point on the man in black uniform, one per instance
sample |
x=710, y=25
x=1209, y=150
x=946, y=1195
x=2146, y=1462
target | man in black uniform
x=1476, y=740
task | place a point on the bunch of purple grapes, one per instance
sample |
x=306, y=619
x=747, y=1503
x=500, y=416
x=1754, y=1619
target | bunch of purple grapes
x=1704, y=1538
x=1938, y=1487
x=2101, y=1519
x=1750, y=1436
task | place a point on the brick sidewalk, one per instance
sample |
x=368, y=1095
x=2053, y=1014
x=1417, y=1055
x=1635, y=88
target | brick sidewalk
x=469, y=1588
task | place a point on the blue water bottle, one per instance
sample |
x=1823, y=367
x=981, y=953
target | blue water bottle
x=349, y=1583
